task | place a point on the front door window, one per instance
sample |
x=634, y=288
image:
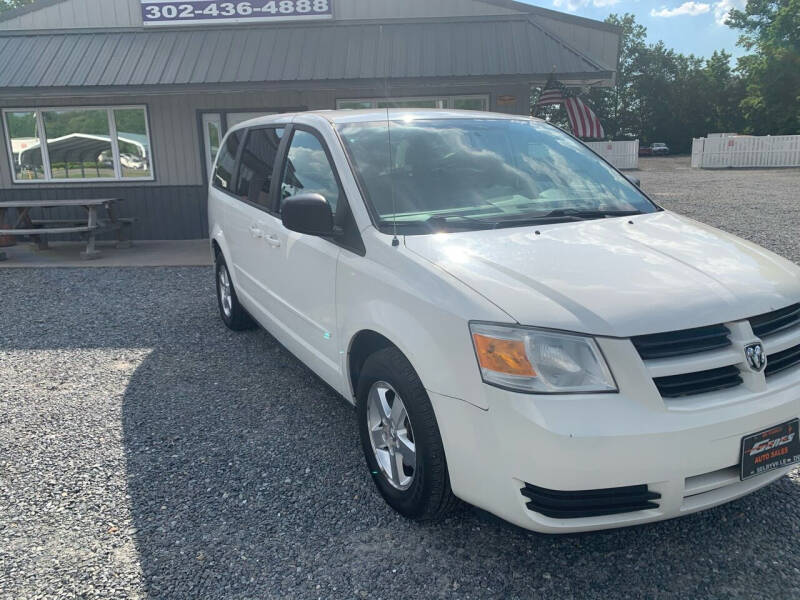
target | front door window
x=308, y=170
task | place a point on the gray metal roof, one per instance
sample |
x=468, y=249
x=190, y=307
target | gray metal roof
x=493, y=46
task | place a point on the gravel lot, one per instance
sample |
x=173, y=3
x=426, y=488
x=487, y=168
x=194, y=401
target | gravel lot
x=147, y=452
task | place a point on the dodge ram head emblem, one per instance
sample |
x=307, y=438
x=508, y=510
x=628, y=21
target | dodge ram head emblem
x=756, y=357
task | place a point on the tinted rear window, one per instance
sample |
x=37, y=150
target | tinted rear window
x=226, y=162
x=257, y=163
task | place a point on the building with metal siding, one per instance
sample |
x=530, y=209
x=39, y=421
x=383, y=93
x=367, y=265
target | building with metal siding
x=182, y=86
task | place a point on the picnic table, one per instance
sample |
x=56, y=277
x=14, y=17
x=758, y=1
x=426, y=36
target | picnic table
x=93, y=223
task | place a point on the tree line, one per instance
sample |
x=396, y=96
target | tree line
x=662, y=95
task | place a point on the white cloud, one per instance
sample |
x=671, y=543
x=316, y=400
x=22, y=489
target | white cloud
x=687, y=8
x=573, y=5
x=723, y=7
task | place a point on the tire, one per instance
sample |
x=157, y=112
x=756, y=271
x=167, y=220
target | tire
x=232, y=313
x=427, y=496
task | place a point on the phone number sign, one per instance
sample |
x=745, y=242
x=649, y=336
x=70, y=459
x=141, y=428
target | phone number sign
x=187, y=12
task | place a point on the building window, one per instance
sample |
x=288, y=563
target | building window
x=79, y=144
x=455, y=102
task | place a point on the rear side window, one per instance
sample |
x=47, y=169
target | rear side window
x=308, y=170
x=223, y=174
x=257, y=164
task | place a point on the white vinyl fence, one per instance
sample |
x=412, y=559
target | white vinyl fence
x=730, y=151
x=623, y=155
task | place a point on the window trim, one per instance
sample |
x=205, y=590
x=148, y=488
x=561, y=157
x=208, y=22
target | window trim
x=112, y=132
x=448, y=98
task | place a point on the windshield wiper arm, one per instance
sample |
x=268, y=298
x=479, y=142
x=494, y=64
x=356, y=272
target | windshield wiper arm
x=565, y=215
x=592, y=214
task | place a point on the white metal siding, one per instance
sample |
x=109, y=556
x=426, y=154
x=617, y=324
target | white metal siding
x=79, y=14
x=388, y=9
x=72, y=14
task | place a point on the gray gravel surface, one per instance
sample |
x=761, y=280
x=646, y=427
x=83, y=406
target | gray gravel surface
x=147, y=452
x=761, y=205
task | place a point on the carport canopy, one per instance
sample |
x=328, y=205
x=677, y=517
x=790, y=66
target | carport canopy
x=79, y=147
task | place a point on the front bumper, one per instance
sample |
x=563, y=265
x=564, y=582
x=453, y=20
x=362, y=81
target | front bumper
x=590, y=442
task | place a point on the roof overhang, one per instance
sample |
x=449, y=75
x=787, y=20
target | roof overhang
x=301, y=56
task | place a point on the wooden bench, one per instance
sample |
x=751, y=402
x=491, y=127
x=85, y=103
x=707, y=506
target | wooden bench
x=89, y=227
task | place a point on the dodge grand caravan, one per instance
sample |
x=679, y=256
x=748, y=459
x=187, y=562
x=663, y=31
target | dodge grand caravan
x=516, y=323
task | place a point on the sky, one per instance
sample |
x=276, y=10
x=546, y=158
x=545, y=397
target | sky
x=693, y=27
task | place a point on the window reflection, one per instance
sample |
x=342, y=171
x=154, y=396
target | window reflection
x=308, y=170
x=134, y=144
x=257, y=164
x=79, y=144
x=226, y=162
x=26, y=149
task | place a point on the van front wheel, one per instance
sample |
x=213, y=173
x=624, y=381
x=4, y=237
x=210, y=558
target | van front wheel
x=401, y=439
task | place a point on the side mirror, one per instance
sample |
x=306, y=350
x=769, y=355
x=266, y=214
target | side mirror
x=309, y=214
x=634, y=180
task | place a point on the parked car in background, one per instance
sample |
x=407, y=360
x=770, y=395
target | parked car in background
x=517, y=324
x=133, y=161
x=657, y=149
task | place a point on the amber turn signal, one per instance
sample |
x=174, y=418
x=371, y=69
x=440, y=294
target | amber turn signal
x=503, y=356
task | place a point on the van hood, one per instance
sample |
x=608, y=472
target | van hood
x=616, y=277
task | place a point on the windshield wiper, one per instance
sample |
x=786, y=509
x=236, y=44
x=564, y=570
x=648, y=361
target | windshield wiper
x=437, y=223
x=564, y=215
x=591, y=214
x=462, y=222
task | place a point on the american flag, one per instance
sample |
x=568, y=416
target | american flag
x=582, y=120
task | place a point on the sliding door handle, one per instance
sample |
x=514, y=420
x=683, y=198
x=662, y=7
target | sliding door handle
x=273, y=240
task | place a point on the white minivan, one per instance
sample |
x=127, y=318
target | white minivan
x=517, y=324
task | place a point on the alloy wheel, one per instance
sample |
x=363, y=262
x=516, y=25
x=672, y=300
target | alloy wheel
x=225, y=291
x=391, y=435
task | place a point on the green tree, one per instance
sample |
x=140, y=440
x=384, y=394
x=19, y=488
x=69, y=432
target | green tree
x=661, y=95
x=617, y=107
x=9, y=4
x=771, y=30
x=727, y=90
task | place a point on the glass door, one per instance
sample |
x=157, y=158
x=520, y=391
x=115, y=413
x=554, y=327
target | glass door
x=212, y=136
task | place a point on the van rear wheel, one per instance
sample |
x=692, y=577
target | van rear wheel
x=400, y=438
x=233, y=314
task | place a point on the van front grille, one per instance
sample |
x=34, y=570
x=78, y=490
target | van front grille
x=701, y=382
x=776, y=321
x=681, y=343
x=780, y=361
x=589, y=503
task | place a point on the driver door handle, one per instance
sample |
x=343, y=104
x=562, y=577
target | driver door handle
x=273, y=240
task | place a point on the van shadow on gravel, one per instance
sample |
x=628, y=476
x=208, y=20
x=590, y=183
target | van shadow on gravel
x=246, y=481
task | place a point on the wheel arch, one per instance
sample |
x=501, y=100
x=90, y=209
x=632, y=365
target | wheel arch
x=364, y=344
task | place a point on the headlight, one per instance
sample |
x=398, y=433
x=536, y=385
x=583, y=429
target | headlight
x=539, y=361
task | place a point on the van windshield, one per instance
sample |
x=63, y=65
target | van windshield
x=457, y=174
